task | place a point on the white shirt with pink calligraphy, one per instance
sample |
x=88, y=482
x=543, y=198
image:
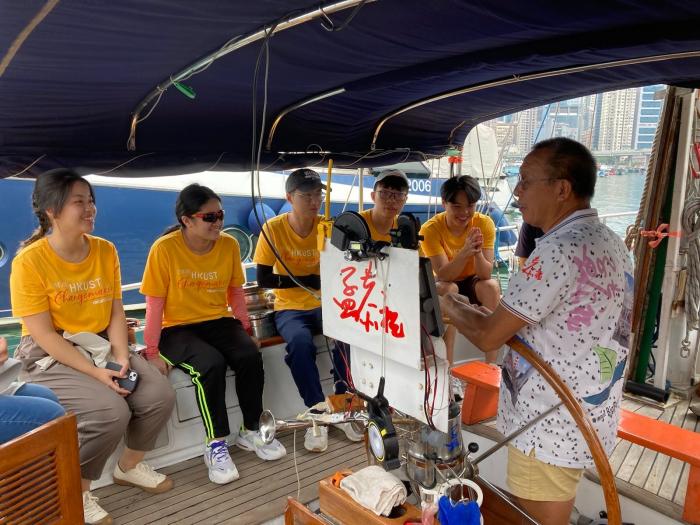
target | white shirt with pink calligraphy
x=575, y=294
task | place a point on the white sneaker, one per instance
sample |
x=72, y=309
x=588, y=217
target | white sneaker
x=250, y=440
x=93, y=513
x=144, y=477
x=352, y=433
x=318, y=443
x=219, y=462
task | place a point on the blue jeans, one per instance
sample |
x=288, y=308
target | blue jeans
x=30, y=407
x=297, y=328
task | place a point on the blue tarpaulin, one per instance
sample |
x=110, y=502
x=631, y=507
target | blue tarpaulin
x=69, y=85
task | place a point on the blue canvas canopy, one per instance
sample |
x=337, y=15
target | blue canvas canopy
x=73, y=72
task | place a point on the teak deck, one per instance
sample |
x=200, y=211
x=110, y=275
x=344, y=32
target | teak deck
x=258, y=495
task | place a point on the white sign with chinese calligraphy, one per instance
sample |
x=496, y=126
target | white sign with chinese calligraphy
x=369, y=301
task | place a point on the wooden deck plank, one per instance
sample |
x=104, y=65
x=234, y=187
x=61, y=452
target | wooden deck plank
x=251, y=511
x=257, y=492
x=658, y=471
x=634, y=453
x=669, y=485
x=197, y=484
x=194, y=493
x=192, y=473
x=649, y=458
x=690, y=423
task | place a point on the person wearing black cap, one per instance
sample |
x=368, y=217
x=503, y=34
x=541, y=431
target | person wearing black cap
x=389, y=195
x=298, y=312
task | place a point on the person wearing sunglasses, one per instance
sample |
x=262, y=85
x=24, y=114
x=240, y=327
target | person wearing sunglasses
x=389, y=195
x=193, y=274
x=298, y=312
x=460, y=244
x=64, y=279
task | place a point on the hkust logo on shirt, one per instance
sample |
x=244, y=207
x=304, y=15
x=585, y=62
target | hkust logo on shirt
x=208, y=281
x=93, y=291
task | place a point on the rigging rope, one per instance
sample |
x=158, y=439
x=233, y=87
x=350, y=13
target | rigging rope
x=691, y=229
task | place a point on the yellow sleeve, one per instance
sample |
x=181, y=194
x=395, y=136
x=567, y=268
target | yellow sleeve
x=237, y=276
x=27, y=290
x=156, y=277
x=117, y=274
x=263, y=252
x=488, y=230
x=430, y=245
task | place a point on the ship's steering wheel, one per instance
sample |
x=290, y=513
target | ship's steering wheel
x=607, y=479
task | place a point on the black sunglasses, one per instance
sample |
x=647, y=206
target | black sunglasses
x=212, y=216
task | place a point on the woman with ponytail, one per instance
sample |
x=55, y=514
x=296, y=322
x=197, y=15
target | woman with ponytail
x=193, y=275
x=66, y=280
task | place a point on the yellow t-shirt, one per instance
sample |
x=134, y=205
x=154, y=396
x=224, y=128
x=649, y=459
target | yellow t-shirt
x=78, y=296
x=376, y=236
x=194, y=286
x=437, y=239
x=300, y=254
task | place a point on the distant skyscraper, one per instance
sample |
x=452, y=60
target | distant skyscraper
x=528, y=123
x=616, y=120
x=648, y=116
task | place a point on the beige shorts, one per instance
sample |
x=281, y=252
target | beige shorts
x=529, y=478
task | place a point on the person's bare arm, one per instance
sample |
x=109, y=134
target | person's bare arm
x=483, y=261
x=488, y=331
x=117, y=332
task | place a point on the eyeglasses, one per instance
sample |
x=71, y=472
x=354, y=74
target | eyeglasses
x=525, y=184
x=397, y=196
x=308, y=197
x=212, y=216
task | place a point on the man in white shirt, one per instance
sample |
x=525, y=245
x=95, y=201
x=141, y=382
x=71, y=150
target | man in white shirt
x=571, y=303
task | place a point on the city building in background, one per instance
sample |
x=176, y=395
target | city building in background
x=611, y=124
x=648, y=116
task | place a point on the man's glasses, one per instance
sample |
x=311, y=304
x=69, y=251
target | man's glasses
x=525, y=184
x=308, y=197
x=397, y=196
x=212, y=216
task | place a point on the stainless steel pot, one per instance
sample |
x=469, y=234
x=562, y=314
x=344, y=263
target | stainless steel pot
x=263, y=323
x=255, y=298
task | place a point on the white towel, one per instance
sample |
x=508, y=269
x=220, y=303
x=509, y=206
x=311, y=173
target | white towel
x=91, y=346
x=376, y=489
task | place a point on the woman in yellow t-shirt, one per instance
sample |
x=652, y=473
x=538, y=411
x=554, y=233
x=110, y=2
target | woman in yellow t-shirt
x=65, y=280
x=460, y=245
x=193, y=274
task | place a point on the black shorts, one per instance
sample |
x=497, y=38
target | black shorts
x=467, y=287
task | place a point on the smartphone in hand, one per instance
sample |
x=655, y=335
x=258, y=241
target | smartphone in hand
x=127, y=383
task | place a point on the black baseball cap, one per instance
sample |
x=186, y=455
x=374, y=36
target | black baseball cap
x=303, y=179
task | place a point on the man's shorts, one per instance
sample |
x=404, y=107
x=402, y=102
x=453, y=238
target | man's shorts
x=530, y=478
x=467, y=287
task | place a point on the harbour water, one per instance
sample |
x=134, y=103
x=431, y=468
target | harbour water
x=614, y=194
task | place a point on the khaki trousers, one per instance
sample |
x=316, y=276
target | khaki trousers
x=104, y=417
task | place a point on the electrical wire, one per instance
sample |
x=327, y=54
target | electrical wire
x=256, y=152
x=330, y=26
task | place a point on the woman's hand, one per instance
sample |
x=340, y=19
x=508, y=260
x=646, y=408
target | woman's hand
x=108, y=378
x=163, y=367
x=256, y=341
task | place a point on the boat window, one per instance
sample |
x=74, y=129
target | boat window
x=3, y=255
